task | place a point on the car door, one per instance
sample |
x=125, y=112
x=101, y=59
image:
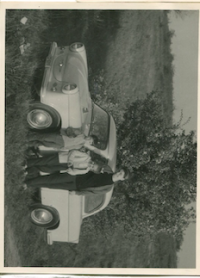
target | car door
x=69, y=208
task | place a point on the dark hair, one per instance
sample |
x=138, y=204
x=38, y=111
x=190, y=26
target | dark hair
x=127, y=173
x=72, y=132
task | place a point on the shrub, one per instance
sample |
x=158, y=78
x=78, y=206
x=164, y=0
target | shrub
x=163, y=163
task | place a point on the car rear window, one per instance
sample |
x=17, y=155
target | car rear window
x=93, y=202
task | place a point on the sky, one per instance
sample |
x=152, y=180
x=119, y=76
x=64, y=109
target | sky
x=185, y=50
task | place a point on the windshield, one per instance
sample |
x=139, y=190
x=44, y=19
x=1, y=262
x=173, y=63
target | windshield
x=100, y=127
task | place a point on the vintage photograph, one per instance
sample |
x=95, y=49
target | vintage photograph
x=100, y=138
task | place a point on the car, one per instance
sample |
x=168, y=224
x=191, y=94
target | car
x=65, y=101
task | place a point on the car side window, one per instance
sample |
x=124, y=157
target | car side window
x=93, y=202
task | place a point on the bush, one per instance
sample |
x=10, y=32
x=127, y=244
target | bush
x=163, y=162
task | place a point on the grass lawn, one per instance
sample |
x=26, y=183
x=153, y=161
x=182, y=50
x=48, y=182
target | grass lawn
x=134, y=54
x=20, y=71
x=138, y=60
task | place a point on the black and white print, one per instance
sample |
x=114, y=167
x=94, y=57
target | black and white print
x=120, y=87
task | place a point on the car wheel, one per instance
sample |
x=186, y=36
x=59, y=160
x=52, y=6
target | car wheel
x=44, y=216
x=69, y=88
x=77, y=47
x=42, y=117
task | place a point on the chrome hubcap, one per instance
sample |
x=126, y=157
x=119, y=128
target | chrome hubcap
x=41, y=216
x=38, y=118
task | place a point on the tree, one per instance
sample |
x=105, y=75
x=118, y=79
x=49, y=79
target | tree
x=163, y=161
x=182, y=13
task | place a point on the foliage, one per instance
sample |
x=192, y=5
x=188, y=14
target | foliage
x=182, y=13
x=163, y=162
x=21, y=66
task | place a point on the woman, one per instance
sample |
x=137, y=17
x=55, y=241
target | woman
x=62, y=162
x=61, y=141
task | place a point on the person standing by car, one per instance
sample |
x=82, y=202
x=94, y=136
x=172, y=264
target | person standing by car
x=80, y=165
x=62, y=161
x=89, y=182
x=72, y=158
x=61, y=141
